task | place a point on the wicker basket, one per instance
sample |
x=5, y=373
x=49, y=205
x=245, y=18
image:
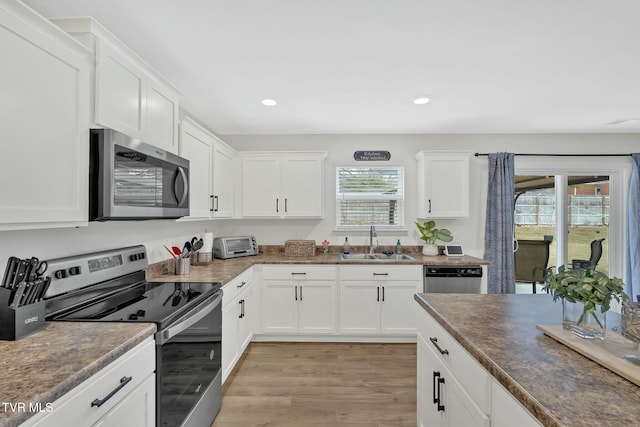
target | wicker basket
x=300, y=248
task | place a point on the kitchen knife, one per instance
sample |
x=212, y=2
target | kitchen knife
x=17, y=294
x=31, y=291
x=43, y=289
x=9, y=272
x=21, y=270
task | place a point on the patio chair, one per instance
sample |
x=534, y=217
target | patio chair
x=594, y=259
x=531, y=260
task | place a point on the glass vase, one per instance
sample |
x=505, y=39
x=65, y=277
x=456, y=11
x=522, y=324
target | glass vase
x=631, y=321
x=583, y=323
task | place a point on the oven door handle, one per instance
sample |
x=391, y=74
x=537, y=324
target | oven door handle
x=191, y=319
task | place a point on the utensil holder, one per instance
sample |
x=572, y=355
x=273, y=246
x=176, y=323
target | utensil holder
x=18, y=322
x=203, y=258
x=182, y=265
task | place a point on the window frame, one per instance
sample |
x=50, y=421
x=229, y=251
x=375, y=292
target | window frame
x=379, y=227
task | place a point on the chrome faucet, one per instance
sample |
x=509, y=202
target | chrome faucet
x=372, y=234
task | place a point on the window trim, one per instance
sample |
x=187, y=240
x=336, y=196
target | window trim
x=401, y=228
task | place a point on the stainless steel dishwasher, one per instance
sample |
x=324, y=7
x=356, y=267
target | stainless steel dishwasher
x=449, y=279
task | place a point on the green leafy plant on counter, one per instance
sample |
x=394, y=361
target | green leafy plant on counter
x=430, y=234
x=587, y=286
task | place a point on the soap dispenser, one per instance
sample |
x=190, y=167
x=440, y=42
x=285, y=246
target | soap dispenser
x=398, y=248
x=346, y=248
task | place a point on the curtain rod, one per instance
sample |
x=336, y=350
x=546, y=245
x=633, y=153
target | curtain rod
x=561, y=155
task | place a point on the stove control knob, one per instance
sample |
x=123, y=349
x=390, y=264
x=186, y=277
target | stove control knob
x=60, y=274
x=141, y=255
x=133, y=257
x=74, y=271
x=141, y=313
x=133, y=317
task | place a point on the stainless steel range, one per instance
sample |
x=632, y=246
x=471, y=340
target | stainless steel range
x=110, y=286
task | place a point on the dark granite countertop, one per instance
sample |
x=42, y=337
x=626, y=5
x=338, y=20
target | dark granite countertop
x=556, y=384
x=42, y=367
x=225, y=270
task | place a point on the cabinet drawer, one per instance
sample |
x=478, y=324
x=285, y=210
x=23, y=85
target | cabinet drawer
x=467, y=371
x=232, y=289
x=74, y=408
x=381, y=272
x=299, y=272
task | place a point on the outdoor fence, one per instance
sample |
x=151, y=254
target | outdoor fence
x=583, y=210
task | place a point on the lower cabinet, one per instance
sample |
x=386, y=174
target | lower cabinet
x=299, y=300
x=379, y=300
x=237, y=316
x=454, y=389
x=130, y=405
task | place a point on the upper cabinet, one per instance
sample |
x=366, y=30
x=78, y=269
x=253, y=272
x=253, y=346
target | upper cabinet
x=44, y=82
x=282, y=184
x=129, y=95
x=210, y=170
x=443, y=184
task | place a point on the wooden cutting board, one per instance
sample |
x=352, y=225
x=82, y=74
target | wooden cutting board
x=608, y=352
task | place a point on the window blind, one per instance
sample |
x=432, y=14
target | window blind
x=370, y=195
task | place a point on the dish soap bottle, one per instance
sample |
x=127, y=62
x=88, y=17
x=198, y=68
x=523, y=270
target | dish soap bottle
x=398, y=248
x=346, y=248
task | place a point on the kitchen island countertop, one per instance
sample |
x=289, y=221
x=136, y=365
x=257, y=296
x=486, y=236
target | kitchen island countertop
x=557, y=385
x=41, y=368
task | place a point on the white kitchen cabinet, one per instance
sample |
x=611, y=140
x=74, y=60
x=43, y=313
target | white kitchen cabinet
x=379, y=299
x=471, y=396
x=210, y=169
x=282, y=185
x=133, y=405
x=443, y=184
x=442, y=400
x=299, y=300
x=44, y=82
x=237, y=317
x=128, y=94
x=223, y=186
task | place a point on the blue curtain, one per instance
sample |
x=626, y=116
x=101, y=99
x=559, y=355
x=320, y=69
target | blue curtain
x=633, y=231
x=498, y=239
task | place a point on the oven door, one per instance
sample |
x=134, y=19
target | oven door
x=188, y=363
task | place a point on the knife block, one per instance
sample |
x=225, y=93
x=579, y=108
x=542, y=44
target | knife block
x=18, y=322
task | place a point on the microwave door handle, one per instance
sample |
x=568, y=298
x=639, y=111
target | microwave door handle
x=185, y=193
x=169, y=333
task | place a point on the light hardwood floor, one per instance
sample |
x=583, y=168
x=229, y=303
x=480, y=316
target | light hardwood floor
x=321, y=384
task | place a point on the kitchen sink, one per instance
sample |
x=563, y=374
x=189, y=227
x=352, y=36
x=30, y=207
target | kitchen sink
x=375, y=257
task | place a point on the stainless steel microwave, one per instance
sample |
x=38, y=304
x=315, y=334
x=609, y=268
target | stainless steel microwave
x=233, y=247
x=131, y=180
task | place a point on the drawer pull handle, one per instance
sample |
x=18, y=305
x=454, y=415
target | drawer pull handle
x=434, y=341
x=301, y=274
x=241, y=284
x=380, y=274
x=123, y=382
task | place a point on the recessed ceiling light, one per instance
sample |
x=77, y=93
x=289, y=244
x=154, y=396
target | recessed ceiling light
x=421, y=101
x=269, y=102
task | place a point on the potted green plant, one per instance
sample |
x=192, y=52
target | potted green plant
x=430, y=234
x=586, y=297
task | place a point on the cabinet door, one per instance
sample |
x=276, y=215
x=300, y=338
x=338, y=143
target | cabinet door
x=197, y=146
x=302, y=184
x=261, y=187
x=247, y=304
x=162, y=117
x=120, y=92
x=45, y=137
x=223, y=193
x=279, y=307
x=453, y=406
x=447, y=186
x=318, y=307
x=428, y=414
x=137, y=409
x=398, y=314
x=230, y=346
x=359, y=307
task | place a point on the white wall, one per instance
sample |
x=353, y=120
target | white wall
x=50, y=243
x=340, y=148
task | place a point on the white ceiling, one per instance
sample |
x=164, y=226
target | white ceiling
x=354, y=66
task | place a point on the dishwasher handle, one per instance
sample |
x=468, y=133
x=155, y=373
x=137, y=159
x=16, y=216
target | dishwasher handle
x=466, y=271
